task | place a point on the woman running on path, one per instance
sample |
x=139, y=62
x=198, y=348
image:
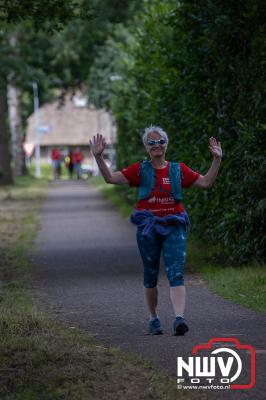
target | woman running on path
x=159, y=215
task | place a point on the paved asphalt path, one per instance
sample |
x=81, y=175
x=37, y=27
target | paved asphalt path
x=88, y=273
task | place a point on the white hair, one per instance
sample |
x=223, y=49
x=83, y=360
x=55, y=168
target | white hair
x=151, y=129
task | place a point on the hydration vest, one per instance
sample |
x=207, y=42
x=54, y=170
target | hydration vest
x=148, y=176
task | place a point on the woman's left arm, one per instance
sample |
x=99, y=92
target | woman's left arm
x=206, y=181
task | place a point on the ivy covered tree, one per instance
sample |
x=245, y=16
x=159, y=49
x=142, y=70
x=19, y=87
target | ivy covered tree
x=50, y=18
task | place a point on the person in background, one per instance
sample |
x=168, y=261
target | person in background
x=77, y=161
x=159, y=215
x=69, y=162
x=56, y=163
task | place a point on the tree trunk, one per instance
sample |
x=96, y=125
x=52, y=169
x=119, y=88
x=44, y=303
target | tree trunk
x=15, y=125
x=5, y=159
x=14, y=113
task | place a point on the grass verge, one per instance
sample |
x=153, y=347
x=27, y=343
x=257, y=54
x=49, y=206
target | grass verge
x=242, y=284
x=39, y=357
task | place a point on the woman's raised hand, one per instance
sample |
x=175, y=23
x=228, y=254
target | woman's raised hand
x=98, y=144
x=215, y=148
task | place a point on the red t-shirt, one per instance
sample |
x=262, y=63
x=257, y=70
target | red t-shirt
x=56, y=155
x=77, y=157
x=160, y=202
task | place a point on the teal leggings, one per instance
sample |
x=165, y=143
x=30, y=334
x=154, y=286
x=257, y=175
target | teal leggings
x=173, y=247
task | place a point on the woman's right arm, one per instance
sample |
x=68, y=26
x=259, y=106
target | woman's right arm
x=97, y=146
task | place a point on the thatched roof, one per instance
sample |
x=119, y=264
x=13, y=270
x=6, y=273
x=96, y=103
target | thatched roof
x=71, y=124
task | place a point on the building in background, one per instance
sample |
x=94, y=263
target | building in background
x=71, y=126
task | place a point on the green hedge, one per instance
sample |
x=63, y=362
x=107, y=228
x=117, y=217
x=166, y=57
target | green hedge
x=196, y=68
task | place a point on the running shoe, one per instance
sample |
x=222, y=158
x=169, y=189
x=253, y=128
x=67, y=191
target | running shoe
x=180, y=326
x=155, y=327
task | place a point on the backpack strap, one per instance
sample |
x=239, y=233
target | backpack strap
x=147, y=179
x=175, y=180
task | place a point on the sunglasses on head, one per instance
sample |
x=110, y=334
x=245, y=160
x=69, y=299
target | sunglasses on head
x=155, y=142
